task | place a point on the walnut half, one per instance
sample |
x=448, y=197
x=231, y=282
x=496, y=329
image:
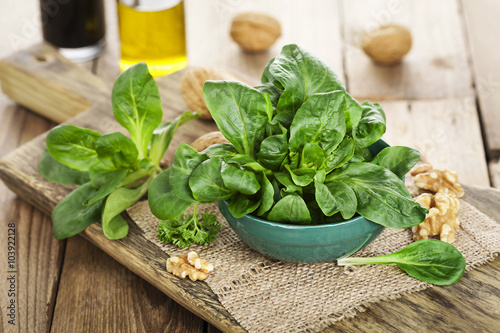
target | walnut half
x=434, y=180
x=189, y=265
x=442, y=217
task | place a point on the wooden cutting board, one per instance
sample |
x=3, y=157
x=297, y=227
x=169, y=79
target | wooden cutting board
x=45, y=82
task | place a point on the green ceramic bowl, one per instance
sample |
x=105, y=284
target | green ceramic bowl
x=305, y=243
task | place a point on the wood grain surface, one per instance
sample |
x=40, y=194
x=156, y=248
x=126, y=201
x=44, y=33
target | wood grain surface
x=436, y=66
x=48, y=96
x=39, y=255
x=298, y=20
x=482, y=33
x=430, y=85
x=445, y=131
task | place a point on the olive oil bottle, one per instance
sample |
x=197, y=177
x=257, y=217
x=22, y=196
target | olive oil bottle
x=152, y=31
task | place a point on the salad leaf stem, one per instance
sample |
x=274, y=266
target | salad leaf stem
x=134, y=177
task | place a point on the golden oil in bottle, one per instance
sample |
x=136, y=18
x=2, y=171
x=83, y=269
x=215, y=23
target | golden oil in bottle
x=152, y=31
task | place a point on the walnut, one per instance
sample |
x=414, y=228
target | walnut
x=208, y=139
x=255, y=32
x=442, y=217
x=192, y=87
x=428, y=178
x=388, y=44
x=199, y=263
x=181, y=267
x=420, y=168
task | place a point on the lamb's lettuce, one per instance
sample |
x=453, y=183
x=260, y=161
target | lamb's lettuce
x=302, y=159
x=300, y=154
x=428, y=260
x=114, y=170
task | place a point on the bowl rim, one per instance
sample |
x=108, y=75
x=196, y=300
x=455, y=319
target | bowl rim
x=352, y=220
x=281, y=225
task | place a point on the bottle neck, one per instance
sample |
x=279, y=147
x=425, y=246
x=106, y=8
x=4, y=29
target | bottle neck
x=150, y=5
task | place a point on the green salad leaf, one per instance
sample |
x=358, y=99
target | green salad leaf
x=245, y=117
x=398, y=159
x=301, y=75
x=163, y=201
x=291, y=208
x=114, y=171
x=137, y=105
x=59, y=173
x=73, y=146
x=381, y=195
x=371, y=126
x=71, y=216
x=427, y=260
x=116, y=151
x=319, y=120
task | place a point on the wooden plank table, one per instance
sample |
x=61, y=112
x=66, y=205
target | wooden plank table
x=430, y=101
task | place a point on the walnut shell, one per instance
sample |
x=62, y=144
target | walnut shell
x=388, y=44
x=255, y=32
x=208, y=139
x=192, y=88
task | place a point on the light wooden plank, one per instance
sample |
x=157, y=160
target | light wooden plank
x=13, y=119
x=483, y=25
x=48, y=91
x=436, y=67
x=446, y=132
x=212, y=329
x=311, y=24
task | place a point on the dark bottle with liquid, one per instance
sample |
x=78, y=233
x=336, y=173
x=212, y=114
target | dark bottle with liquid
x=76, y=27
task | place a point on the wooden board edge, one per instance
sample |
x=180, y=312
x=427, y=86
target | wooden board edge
x=149, y=262
x=486, y=199
x=21, y=187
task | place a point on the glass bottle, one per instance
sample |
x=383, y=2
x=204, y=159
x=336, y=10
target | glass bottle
x=75, y=27
x=152, y=31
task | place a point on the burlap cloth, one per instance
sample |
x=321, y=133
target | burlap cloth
x=266, y=295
